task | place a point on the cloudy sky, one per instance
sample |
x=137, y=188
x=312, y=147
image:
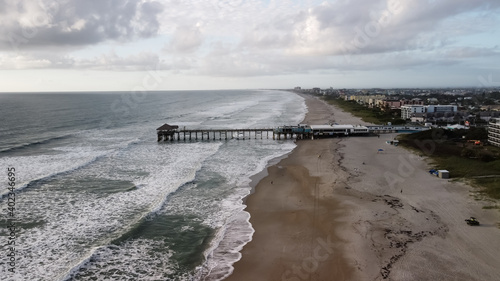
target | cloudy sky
x=86, y=45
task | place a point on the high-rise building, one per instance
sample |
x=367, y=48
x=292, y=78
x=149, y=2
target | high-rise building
x=494, y=132
x=407, y=111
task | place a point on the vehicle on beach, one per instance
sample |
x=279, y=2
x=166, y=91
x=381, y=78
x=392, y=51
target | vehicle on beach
x=472, y=221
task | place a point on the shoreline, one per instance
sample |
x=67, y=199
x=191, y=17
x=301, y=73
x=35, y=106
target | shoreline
x=383, y=220
x=258, y=177
x=295, y=224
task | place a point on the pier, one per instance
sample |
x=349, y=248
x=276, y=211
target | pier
x=172, y=132
x=302, y=131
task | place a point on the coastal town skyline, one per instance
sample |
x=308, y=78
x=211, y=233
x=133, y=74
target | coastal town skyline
x=240, y=44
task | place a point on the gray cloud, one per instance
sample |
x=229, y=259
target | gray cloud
x=246, y=37
x=369, y=26
x=33, y=24
x=109, y=61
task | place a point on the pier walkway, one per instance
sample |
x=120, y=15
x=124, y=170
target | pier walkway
x=172, y=132
x=302, y=131
x=215, y=134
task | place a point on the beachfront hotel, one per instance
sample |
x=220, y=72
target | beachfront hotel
x=494, y=132
x=408, y=111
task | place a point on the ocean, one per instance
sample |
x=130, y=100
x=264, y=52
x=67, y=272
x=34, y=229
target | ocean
x=98, y=198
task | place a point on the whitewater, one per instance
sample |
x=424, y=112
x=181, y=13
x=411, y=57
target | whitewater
x=97, y=197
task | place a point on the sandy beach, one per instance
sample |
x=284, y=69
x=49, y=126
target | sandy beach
x=339, y=209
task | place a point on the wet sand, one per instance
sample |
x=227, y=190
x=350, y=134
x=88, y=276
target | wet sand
x=321, y=214
x=296, y=217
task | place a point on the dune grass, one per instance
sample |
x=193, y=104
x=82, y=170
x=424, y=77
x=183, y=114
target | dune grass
x=480, y=165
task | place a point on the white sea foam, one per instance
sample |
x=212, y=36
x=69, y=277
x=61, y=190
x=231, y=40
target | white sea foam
x=66, y=232
x=227, y=109
x=35, y=168
x=234, y=229
x=236, y=234
x=73, y=222
x=133, y=260
x=237, y=166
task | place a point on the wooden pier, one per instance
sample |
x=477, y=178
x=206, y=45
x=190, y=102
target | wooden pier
x=172, y=132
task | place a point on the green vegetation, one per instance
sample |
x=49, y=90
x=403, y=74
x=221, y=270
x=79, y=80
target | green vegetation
x=457, y=152
x=371, y=115
x=489, y=186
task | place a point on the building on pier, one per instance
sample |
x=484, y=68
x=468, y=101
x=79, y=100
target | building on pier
x=166, y=132
x=338, y=130
x=301, y=131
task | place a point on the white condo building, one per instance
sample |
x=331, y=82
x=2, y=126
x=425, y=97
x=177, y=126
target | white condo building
x=494, y=132
x=407, y=111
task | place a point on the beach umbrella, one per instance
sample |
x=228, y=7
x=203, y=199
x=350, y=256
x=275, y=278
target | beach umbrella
x=380, y=149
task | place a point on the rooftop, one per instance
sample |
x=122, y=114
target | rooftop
x=167, y=127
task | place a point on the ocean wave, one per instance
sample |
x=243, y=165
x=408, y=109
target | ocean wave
x=35, y=143
x=150, y=213
x=203, y=183
x=236, y=230
x=229, y=241
x=81, y=223
x=65, y=169
x=35, y=170
x=122, y=262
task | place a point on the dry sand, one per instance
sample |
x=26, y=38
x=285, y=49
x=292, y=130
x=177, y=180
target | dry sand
x=321, y=214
